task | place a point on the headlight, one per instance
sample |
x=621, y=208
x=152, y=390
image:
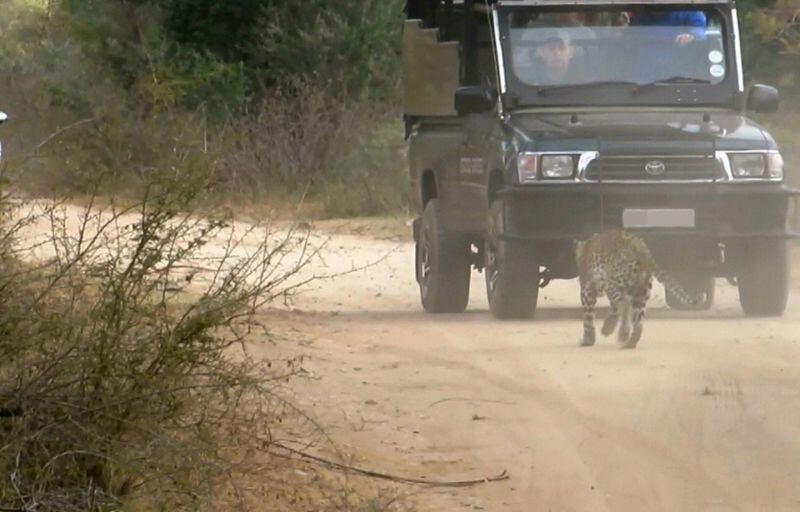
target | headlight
x=533, y=167
x=527, y=167
x=558, y=166
x=748, y=165
x=757, y=165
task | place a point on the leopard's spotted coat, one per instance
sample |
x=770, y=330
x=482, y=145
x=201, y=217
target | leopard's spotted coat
x=619, y=264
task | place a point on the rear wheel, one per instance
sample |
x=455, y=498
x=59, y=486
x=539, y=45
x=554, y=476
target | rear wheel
x=442, y=264
x=764, y=278
x=696, y=286
x=512, y=275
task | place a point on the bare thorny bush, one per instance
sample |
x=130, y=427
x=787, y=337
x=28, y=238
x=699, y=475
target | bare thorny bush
x=347, y=155
x=115, y=387
x=343, y=158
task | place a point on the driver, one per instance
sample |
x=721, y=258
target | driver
x=553, y=58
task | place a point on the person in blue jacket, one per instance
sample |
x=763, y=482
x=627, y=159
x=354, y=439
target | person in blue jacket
x=695, y=19
x=658, y=61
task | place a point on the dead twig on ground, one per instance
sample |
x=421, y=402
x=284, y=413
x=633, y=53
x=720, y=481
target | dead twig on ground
x=461, y=399
x=314, y=459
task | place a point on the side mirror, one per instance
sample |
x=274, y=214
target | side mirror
x=3, y=117
x=473, y=99
x=762, y=98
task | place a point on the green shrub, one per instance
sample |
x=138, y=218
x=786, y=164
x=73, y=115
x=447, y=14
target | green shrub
x=352, y=47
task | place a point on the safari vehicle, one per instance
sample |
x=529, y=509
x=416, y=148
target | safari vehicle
x=535, y=123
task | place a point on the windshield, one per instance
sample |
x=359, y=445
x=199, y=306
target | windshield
x=634, y=47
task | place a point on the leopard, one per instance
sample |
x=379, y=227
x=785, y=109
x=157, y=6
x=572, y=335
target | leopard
x=619, y=264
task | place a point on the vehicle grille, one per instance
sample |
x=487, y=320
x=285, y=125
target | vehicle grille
x=630, y=168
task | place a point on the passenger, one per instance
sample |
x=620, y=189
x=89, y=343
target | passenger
x=659, y=61
x=560, y=19
x=696, y=19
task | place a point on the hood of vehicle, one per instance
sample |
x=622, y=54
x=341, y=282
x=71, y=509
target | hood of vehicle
x=695, y=130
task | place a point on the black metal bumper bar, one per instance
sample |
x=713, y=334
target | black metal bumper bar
x=598, y=189
x=660, y=233
x=725, y=211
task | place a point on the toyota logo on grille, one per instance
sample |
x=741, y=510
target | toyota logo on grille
x=655, y=168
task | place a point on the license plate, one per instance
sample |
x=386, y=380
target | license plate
x=664, y=218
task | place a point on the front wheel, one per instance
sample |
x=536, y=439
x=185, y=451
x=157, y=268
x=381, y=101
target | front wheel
x=512, y=274
x=764, y=278
x=442, y=264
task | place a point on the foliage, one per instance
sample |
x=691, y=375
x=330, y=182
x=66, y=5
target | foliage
x=772, y=55
x=222, y=28
x=125, y=42
x=240, y=47
x=350, y=157
x=350, y=46
x=772, y=42
x=152, y=91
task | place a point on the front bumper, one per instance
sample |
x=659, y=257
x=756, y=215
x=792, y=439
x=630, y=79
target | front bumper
x=723, y=211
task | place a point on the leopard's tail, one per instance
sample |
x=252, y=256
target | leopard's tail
x=675, y=288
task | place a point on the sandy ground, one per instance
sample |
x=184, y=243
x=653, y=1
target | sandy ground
x=704, y=415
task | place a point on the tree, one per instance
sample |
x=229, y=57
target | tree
x=772, y=41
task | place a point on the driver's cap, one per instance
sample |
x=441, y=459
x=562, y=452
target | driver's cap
x=548, y=35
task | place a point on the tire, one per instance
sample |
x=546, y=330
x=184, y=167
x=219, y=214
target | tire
x=693, y=284
x=512, y=274
x=442, y=263
x=764, y=278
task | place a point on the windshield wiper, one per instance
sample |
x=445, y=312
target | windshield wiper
x=545, y=90
x=672, y=80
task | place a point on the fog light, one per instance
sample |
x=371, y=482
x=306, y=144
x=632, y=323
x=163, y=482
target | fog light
x=558, y=166
x=748, y=165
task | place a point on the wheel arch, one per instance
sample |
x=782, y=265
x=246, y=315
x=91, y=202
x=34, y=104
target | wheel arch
x=429, y=189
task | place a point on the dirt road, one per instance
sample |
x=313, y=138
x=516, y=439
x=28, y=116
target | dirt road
x=704, y=415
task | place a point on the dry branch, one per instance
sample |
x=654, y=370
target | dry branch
x=383, y=476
